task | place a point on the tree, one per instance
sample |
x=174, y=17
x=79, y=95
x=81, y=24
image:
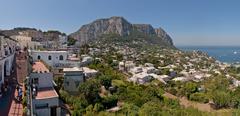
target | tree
x=235, y=100
x=110, y=101
x=105, y=81
x=151, y=108
x=89, y=111
x=90, y=90
x=130, y=109
x=190, y=88
x=71, y=41
x=221, y=99
x=98, y=107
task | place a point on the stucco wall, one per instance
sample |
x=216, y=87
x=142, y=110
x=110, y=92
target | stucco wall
x=55, y=55
x=44, y=79
x=52, y=102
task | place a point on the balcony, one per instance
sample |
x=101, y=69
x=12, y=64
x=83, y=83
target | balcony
x=6, y=53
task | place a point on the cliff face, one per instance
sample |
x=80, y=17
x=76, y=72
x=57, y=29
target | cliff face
x=117, y=25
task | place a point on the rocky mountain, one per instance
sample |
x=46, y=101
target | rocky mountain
x=121, y=27
x=37, y=35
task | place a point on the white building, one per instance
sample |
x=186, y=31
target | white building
x=72, y=78
x=63, y=39
x=55, y=59
x=41, y=75
x=86, y=60
x=141, y=78
x=181, y=79
x=25, y=41
x=136, y=70
x=126, y=66
x=7, y=53
x=45, y=101
x=89, y=72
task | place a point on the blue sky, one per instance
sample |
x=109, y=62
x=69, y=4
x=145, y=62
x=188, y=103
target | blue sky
x=188, y=22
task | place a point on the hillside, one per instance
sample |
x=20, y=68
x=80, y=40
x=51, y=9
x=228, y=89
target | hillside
x=123, y=29
x=37, y=35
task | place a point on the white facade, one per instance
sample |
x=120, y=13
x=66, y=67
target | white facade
x=7, y=53
x=89, y=72
x=62, y=39
x=46, y=106
x=72, y=78
x=44, y=79
x=86, y=60
x=46, y=100
x=51, y=102
x=126, y=66
x=23, y=41
x=52, y=58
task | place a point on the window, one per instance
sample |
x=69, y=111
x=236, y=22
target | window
x=61, y=57
x=49, y=57
x=60, y=70
x=67, y=83
x=41, y=106
x=77, y=83
x=35, y=80
x=39, y=57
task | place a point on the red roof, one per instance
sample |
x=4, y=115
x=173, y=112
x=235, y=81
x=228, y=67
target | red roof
x=45, y=93
x=39, y=67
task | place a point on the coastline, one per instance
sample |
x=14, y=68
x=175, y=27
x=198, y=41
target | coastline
x=224, y=54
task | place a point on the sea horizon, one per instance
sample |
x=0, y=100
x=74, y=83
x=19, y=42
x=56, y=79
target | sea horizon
x=223, y=53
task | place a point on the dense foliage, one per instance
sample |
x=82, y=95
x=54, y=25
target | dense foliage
x=71, y=41
x=95, y=97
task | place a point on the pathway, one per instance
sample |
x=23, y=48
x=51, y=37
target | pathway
x=16, y=108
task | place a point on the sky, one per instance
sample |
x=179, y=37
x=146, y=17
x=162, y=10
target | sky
x=188, y=22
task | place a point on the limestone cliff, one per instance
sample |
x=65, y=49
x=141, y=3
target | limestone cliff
x=120, y=26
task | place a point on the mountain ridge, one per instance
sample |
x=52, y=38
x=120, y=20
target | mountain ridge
x=117, y=25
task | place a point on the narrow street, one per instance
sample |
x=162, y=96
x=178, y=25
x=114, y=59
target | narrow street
x=16, y=108
x=8, y=97
x=9, y=105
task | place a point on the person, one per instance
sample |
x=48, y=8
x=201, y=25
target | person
x=20, y=96
x=17, y=87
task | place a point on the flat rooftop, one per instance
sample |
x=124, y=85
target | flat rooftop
x=74, y=69
x=73, y=59
x=39, y=67
x=88, y=70
x=45, y=93
x=48, y=51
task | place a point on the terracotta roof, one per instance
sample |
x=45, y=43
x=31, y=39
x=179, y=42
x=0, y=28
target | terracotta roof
x=45, y=93
x=39, y=67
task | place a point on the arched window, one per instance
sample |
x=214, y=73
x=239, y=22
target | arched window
x=49, y=57
x=61, y=57
x=10, y=49
x=39, y=57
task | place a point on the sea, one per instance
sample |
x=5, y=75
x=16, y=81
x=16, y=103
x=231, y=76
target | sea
x=227, y=54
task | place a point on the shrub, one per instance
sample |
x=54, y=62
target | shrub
x=199, y=97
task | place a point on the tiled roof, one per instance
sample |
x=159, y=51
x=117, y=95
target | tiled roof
x=39, y=67
x=45, y=93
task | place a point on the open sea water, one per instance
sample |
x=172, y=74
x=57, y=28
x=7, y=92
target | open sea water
x=228, y=54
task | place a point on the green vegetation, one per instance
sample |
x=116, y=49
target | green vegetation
x=134, y=99
x=215, y=89
x=199, y=97
x=71, y=41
